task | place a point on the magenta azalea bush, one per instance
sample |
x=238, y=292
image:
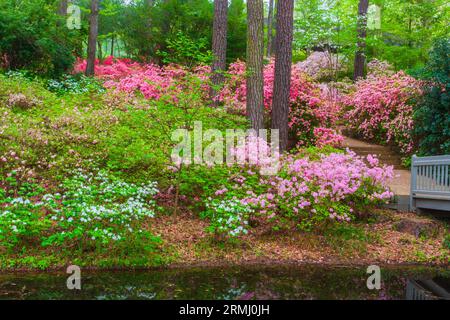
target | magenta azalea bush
x=150, y=80
x=311, y=106
x=381, y=109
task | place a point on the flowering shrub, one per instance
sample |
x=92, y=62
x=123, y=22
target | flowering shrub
x=228, y=218
x=379, y=68
x=150, y=80
x=327, y=137
x=92, y=209
x=310, y=190
x=381, y=109
x=110, y=68
x=308, y=193
x=321, y=65
x=310, y=106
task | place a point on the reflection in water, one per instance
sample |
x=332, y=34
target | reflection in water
x=428, y=289
x=244, y=283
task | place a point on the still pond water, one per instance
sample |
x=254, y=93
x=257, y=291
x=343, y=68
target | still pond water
x=245, y=283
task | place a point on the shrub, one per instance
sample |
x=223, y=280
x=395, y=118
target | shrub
x=75, y=84
x=312, y=189
x=381, y=109
x=92, y=210
x=321, y=65
x=310, y=106
x=228, y=218
x=30, y=38
x=432, y=113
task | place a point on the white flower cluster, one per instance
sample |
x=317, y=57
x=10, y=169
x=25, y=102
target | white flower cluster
x=92, y=205
x=103, y=208
x=230, y=216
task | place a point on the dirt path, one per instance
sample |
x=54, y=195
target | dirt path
x=400, y=185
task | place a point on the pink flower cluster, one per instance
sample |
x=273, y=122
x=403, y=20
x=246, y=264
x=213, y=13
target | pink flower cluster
x=320, y=65
x=306, y=188
x=256, y=151
x=381, y=108
x=311, y=105
x=150, y=80
x=234, y=93
x=327, y=137
x=110, y=68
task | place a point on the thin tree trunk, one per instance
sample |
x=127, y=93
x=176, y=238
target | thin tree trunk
x=283, y=67
x=269, y=29
x=62, y=10
x=92, y=41
x=255, y=57
x=219, y=45
x=360, y=58
x=100, y=50
x=112, y=46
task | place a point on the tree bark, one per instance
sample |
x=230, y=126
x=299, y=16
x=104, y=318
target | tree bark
x=360, y=58
x=112, y=45
x=255, y=57
x=269, y=29
x=219, y=45
x=92, y=41
x=100, y=50
x=62, y=10
x=283, y=67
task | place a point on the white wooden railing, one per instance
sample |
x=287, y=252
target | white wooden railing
x=430, y=183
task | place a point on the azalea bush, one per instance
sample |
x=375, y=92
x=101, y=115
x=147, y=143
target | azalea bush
x=149, y=80
x=310, y=105
x=322, y=65
x=312, y=189
x=381, y=109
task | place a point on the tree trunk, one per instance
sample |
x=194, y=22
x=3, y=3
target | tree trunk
x=219, y=45
x=112, y=46
x=62, y=10
x=100, y=50
x=255, y=57
x=283, y=66
x=360, y=58
x=92, y=41
x=269, y=29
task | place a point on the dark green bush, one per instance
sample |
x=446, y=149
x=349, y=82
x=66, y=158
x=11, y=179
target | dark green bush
x=33, y=37
x=432, y=114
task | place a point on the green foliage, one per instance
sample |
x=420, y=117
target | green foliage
x=185, y=51
x=228, y=218
x=432, y=113
x=408, y=29
x=237, y=31
x=75, y=84
x=446, y=242
x=92, y=130
x=92, y=211
x=33, y=37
